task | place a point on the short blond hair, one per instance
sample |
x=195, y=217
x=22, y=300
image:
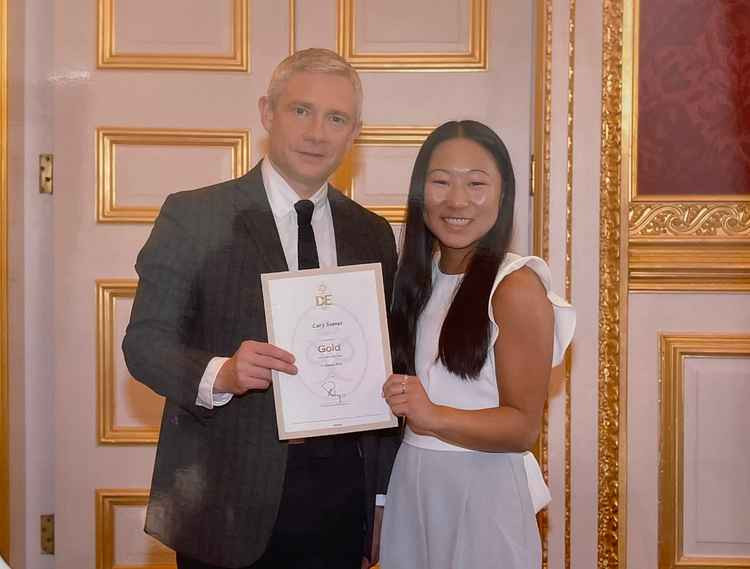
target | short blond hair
x=314, y=60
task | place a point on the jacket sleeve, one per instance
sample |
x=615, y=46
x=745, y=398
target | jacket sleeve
x=157, y=346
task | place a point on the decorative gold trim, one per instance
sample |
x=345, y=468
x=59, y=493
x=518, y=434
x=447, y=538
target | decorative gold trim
x=674, y=348
x=677, y=242
x=542, y=122
x=612, y=496
x=540, y=190
x=345, y=177
x=109, y=58
x=292, y=26
x=4, y=378
x=689, y=247
x=722, y=220
x=107, y=138
x=665, y=266
x=105, y=503
x=567, y=370
x=107, y=293
x=473, y=60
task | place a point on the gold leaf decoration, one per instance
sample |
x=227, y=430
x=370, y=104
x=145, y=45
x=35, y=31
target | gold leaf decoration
x=690, y=220
x=610, y=298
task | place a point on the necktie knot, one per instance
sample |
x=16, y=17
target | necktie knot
x=304, y=212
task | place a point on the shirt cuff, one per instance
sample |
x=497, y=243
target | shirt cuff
x=380, y=499
x=206, y=396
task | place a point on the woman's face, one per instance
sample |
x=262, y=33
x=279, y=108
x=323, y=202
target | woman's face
x=461, y=195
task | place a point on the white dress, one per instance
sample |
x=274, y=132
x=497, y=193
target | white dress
x=453, y=508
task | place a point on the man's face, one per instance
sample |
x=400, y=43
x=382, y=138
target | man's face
x=311, y=126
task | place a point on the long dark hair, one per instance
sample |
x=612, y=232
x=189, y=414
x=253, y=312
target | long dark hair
x=465, y=336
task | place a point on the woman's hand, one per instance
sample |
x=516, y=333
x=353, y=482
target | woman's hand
x=407, y=398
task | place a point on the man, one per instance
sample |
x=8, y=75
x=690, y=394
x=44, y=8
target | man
x=226, y=492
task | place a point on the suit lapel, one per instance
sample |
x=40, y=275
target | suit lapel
x=253, y=208
x=350, y=244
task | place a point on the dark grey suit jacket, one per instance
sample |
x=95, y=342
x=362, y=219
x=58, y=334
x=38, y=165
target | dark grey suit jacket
x=219, y=473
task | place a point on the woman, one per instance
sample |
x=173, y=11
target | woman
x=475, y=331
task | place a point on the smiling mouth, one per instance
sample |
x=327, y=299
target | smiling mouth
x=313, y=155
x=457, y=221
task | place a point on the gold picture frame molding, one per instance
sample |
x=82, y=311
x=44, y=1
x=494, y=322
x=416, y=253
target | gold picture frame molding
x=106, y=501
x=475, y=59
x=109, y=58
x=673, y=238
x=107, y=139
x=673, y=349
x=613, y=299
x=345, y=176
x=107, y=293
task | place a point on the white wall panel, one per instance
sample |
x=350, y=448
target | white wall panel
x=649, y=316
x=135, y=404
x=717, y=462
x=394, y=26
x=146, y=174
x=132, y=547
x=173, y=26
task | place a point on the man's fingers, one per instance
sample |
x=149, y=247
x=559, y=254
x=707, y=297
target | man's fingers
x=269, y=362
x=265, y=349
x=258, y=384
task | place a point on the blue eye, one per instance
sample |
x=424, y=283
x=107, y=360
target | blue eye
x=300, y=111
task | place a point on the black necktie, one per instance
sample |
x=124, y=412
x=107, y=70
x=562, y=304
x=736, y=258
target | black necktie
x=307, y=258
x=307, y=252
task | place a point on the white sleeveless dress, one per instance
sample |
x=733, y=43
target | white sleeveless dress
x=449, y=507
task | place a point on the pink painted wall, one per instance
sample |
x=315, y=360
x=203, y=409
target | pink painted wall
x=31, y=266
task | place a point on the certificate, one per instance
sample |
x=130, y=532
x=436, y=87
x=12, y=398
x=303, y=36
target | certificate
x=334, y=322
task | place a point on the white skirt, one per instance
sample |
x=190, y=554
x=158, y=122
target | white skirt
x=459, y=510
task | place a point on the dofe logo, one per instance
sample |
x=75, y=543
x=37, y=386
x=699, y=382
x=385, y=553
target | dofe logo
x=323, y=298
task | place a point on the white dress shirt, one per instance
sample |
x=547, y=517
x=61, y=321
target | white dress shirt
x=282, y=198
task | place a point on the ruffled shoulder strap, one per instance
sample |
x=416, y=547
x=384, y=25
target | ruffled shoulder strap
x=565, y=314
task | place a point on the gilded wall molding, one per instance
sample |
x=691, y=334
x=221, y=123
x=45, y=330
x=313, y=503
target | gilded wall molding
x=719, y=220
x=4, y=378
x=689, y=247
x=543, y=124
x=292, y=26
x=106, y=501
x=107, y=293
x=673, y=349
x=345, y=177
x=665, y=266
x=568, y=364
x=475, y=59
x=540, y=195
x=612, y=301
x=108, y=138
x=679, y=242
x=108, y=56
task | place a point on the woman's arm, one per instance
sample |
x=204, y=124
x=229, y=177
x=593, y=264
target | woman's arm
x=523, y=356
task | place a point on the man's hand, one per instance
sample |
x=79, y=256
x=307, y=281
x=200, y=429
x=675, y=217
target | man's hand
x=250, y=368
